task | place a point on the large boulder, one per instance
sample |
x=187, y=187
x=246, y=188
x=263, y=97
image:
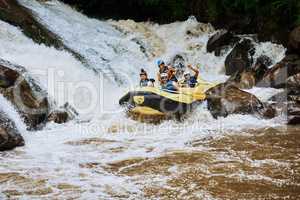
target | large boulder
x=294, y=41
x=261, y=66
x=286, y=75
x=9, y=135
x=226, y=99
x=293, y=113
x=250, y=77
x=240, y=58
x=277, y=75
x=22, y=91
x=220, y=41
x=293, y=81
x=243, y=80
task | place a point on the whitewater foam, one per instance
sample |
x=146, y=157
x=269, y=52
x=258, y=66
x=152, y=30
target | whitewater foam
x=94, y=96
x=12, y=113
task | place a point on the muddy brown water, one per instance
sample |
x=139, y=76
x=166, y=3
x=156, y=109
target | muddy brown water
x=258, y=164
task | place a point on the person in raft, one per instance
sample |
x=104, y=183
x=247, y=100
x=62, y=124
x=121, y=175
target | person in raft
x=168, y=84
x=171, y=71
x=189, y=80
x=162, y=68
x=144, y=81
x=172, y=74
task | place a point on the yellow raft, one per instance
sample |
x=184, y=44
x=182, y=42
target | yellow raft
x=153, y=104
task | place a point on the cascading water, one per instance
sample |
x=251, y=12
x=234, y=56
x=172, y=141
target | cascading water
x=76, y=155
x=6, y=107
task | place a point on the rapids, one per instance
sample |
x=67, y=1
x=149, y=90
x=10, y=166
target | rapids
x=104, y=155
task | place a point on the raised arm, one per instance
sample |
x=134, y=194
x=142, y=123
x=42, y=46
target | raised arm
x=194, y=69
x=171, y=71
x=158, y=77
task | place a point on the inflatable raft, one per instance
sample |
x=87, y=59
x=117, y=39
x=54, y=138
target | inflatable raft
x=152, y=104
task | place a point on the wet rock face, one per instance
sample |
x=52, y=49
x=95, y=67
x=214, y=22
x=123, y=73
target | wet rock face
x=286, y=75
x=261, y=66
x=240, y=57
x=250, y=77
x=226, y=99
x=9, y=135
x=243, y=80
x=293, y=81
x=28, y=98
x=294, y=41
x=293, y=113
x=220, y=41
x=288, y=102
x=277, y=76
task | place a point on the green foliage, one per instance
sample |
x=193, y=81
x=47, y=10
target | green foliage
x=277, y=12
x=290, y=8
x=176, y=8
x=240, y=5
x=213, y=10
x=297, y=18
x=151, y=2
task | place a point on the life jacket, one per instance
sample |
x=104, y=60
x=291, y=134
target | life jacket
x=169, y=86
x=173, y=78
x=192, y=82
x=144, y=83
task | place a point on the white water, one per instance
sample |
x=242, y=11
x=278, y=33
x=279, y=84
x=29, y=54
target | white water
x=46, y=152
x=6, y=107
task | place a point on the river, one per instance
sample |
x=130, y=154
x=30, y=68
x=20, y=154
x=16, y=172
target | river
x=102, y=154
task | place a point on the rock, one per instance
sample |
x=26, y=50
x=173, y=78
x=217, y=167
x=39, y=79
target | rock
x=179, y=63
x=240, y=57
x=294, y=41
x=268, y=112
x=59, y=116
x=226, y=99
x=249, y=78
x=288, y=103
x=293, y=114
x=286, y=97
x=27, y=97
x=293, y=81
x=264, y=60
x=277, y=76
x=243, y=80
x=63, y=114
x=221, y=40
x=281, y=97
x=261, y=66
x=9, y=135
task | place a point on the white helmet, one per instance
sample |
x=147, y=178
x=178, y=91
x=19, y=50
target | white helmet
x=186, y=73
x=163, y=75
